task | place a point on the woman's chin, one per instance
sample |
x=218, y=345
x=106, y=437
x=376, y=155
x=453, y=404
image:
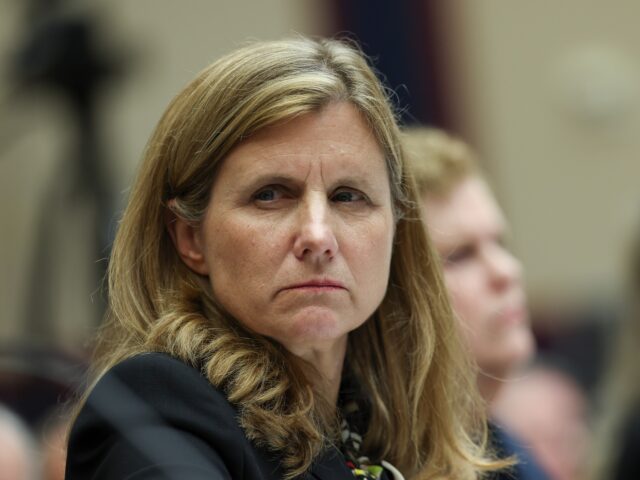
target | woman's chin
x=316, y=329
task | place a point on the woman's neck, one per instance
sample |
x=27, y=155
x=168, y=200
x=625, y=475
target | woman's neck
x=327, y=359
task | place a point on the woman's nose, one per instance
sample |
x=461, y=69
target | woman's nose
x=315, y=240
x=505, y=269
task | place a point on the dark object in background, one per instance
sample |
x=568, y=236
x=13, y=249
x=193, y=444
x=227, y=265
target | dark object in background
x=60, y=55
x=576, y=342
x=405, y=41
x=34, y=381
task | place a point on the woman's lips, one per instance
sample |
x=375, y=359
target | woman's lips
x=323, y=285
x=513, y=315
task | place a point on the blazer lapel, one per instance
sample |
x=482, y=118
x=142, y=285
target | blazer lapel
x=330, y=466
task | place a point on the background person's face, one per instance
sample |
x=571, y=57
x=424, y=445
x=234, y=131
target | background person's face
x=483, y=278
x=298, y=233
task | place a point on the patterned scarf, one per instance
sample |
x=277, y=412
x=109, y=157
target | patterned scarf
x=354, y=418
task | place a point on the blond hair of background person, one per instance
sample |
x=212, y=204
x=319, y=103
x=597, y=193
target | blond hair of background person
x=272, y=250
x=483, y=278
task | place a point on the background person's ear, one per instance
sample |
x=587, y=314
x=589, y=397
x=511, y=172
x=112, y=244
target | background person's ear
x=187, y=241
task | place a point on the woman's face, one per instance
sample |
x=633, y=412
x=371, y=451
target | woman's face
x=483, y=278
x=298, y=233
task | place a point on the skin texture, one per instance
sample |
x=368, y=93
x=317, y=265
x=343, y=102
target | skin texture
x=483, y=279
x=298, y=234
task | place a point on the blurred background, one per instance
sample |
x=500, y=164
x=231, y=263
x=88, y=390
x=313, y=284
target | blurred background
x=547, y=92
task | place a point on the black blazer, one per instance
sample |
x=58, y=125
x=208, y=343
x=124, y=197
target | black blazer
x=154, y=417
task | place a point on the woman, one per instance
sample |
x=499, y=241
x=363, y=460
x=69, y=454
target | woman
x=272, y=257
x=468, y=229
x=483, y=278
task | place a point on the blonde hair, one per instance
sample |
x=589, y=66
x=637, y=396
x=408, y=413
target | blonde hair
x=439, y=161
x=424, y=410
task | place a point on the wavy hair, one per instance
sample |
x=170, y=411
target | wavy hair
x=425, y=413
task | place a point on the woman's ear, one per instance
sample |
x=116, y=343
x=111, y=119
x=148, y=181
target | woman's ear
x=187, y=240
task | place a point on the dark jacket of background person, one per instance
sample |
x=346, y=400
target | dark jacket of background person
x=507, y=445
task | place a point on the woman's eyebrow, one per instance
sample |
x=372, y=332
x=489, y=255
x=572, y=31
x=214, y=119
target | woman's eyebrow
x=362, y=182
x=250, y=183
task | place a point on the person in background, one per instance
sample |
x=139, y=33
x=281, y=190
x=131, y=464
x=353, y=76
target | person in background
x=19, y=458
x=483, y=278
x=556, y=423
x=275, y=309
x=615, y=454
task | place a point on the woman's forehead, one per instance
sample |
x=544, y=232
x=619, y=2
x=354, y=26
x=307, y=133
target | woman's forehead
x=335, y=137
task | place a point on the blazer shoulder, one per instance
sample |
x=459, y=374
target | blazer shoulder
x=168, y=388
x=154, y=411
x=147, y=368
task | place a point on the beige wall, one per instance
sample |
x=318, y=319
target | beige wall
x=548, y=91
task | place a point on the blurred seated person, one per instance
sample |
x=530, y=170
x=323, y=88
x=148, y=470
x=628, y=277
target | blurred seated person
x=19, y=458
x=483, y=278
x=274, y=308
x=616, y=447
x=547, y=409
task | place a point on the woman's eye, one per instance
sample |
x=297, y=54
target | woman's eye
x=459, y=255
x=347, y=196
x=268, y=194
